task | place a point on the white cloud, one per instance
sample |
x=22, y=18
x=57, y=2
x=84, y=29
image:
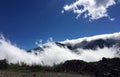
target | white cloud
x=91, y=9
x=115, y=36
x=54, y=54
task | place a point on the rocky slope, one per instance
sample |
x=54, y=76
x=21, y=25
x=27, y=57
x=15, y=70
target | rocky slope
x=103, y=68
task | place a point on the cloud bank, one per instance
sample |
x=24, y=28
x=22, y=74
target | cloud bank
x=115, y=36
x=91, y=9
x=54, y=54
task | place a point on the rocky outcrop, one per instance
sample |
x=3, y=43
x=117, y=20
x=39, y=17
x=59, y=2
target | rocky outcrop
x=104, y=68
x=3, y=64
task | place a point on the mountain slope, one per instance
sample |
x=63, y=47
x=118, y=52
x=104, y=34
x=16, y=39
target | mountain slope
x=94, y=42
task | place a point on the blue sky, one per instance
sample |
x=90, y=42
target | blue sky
x=26, y=21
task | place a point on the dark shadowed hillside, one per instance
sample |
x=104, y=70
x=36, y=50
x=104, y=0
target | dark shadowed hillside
x=103, y=68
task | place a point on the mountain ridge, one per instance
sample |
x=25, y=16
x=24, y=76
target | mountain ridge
x=93, y=45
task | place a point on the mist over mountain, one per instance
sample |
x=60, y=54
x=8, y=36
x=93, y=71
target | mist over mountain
x=89, y=49
x=85, y=43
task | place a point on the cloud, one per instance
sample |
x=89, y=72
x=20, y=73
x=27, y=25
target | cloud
x=54, y=54
x=115, y=36
x=91, y=9
x=15, y=55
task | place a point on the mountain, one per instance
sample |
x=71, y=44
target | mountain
x=93, y=45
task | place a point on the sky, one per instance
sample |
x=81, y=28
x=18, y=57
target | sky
x=24, y=22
